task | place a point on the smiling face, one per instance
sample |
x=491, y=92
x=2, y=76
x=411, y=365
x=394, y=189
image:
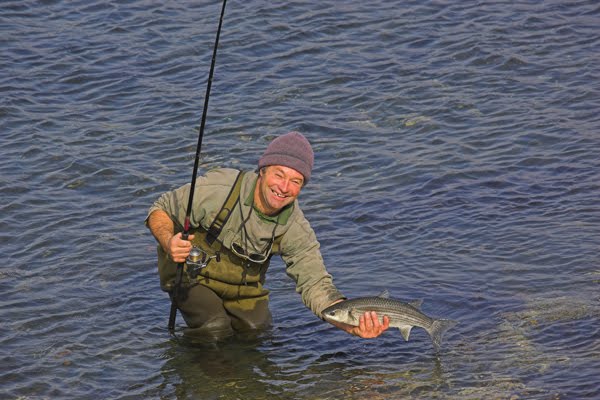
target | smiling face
x=277, y=186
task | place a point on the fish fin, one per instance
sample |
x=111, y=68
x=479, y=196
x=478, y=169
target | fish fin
x=438, y=328
x=385, y=294
x=405, y=331
x=416, y=304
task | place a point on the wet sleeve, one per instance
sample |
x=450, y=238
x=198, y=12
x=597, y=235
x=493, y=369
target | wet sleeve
x=301, y=253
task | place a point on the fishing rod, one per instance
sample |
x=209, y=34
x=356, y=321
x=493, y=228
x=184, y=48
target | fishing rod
x=186, y=225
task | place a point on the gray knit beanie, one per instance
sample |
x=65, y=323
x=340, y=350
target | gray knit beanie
x=290, y=150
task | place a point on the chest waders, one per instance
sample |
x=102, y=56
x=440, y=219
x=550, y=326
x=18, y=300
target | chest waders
x=229, y=276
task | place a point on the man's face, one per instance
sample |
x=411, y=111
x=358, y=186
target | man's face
x=277, y=187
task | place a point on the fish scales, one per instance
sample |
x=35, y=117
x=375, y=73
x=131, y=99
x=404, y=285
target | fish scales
x=397, y=311
x=403, y=316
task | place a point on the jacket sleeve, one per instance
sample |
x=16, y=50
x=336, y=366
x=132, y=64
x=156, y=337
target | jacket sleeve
x=174, y=203
x=301, y=253
x=209, y=194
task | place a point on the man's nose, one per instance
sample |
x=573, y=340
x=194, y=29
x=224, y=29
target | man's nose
x=283, y=185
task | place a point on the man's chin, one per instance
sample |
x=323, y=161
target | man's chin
x=278, y=205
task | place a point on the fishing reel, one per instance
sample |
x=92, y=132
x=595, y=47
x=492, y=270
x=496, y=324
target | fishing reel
x=197, y=260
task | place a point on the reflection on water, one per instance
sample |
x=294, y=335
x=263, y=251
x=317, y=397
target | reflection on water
x=247, y=367
x=198, y=369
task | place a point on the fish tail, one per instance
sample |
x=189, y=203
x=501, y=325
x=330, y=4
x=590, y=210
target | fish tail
x=437, y=330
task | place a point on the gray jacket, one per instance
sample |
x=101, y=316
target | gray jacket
x=298, y=247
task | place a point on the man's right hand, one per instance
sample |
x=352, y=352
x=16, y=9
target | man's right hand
x=178, y=249
x=161, y=226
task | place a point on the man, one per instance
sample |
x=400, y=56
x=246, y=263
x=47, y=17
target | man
x=241, y=221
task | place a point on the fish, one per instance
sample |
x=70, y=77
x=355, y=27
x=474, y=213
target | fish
x=403, y=316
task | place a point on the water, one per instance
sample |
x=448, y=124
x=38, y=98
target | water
x=456, y=162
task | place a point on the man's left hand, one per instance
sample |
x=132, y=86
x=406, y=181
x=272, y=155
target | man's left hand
x=369, y=326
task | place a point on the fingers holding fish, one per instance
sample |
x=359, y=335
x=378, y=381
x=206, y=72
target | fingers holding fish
x=369, y=325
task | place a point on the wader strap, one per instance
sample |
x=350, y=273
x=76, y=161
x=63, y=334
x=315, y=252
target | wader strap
x=221, y=219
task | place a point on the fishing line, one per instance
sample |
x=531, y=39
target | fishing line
x=186, y=225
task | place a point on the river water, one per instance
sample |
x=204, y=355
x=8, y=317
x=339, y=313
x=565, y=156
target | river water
x=457, y=161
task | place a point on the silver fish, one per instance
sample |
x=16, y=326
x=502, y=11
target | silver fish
x=402, y=315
